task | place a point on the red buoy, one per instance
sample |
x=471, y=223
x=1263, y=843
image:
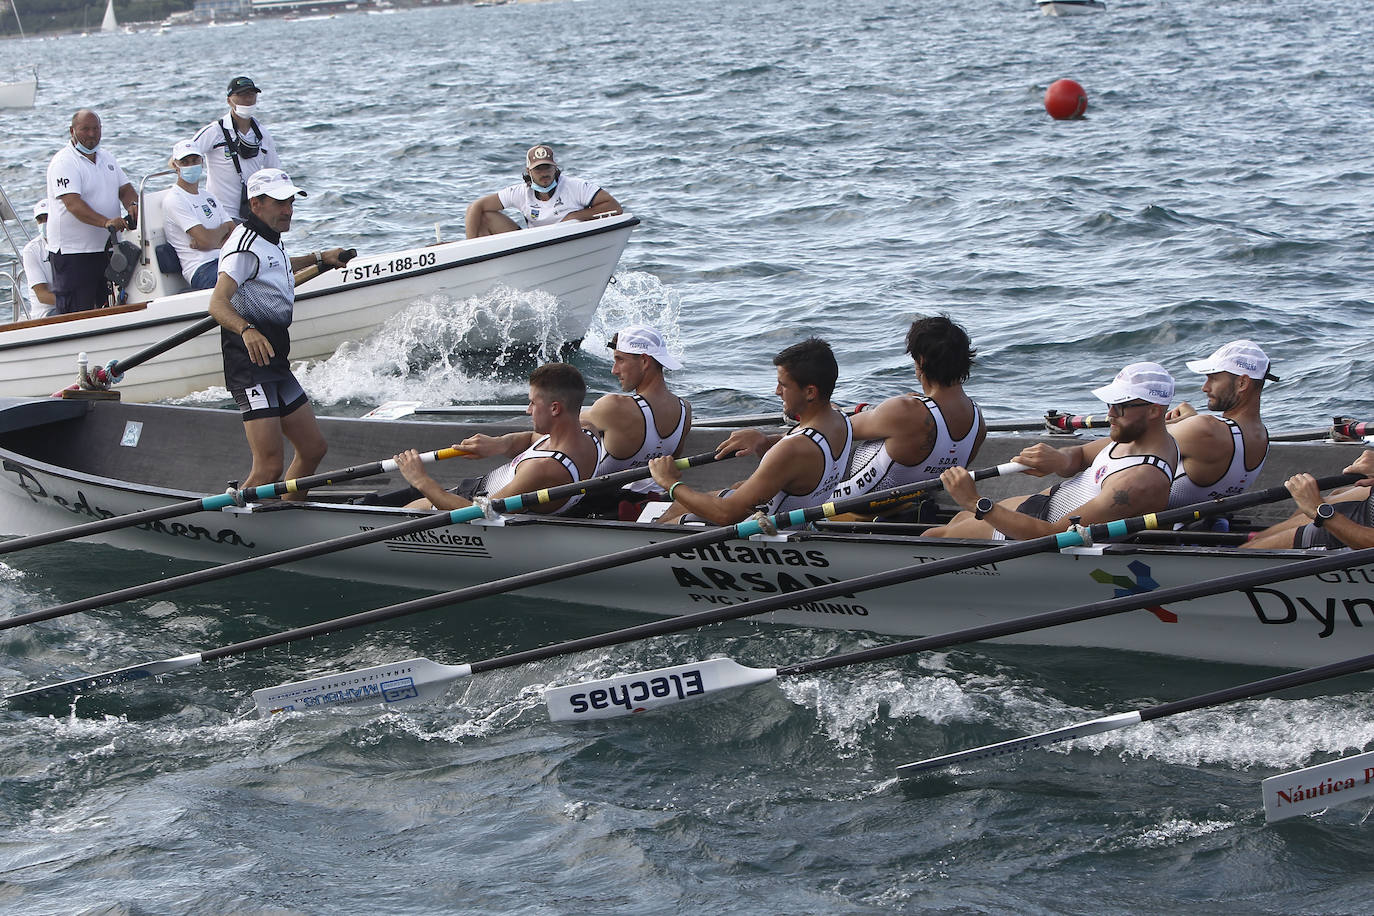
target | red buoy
x=1065, y=100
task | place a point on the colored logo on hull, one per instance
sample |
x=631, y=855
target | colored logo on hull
x=1143, y=583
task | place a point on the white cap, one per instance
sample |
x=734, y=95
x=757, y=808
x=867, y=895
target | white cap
x=275, y=183
x=1138, y=381
x=1239, y=357
x=183, y=149
x=40, y=208
x=640, y=339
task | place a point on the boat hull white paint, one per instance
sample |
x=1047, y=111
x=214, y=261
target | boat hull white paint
x=571, y=261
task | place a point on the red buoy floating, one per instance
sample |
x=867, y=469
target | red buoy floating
x=1065, y=100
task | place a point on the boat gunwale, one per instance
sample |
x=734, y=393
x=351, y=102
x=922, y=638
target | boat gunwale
x=183, y=315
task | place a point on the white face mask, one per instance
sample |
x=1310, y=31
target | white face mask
x=245, y=110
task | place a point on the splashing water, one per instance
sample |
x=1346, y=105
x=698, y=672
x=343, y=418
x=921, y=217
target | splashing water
x=635, y=297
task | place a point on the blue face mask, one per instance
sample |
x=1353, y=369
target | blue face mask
x=191, y=174
x=82, y=148
x=544, y=189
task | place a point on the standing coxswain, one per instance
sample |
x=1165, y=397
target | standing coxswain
x=253, y=301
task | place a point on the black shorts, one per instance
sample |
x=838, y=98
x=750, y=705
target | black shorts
x=1358, y=511
x=78, y=280
x=277, y=398
x=1037, y=505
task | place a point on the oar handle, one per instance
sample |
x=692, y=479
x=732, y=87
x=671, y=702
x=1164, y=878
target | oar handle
x=314, y=270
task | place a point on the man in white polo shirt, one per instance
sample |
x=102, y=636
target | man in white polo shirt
x=86, y=187
x=38, y=294
x=254, y=301
x=193, y=220
x=545, y=197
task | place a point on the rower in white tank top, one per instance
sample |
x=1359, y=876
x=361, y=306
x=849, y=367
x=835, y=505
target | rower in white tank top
x=1237, y=478
x=836, y=465
x=653, y=446
x=872, y=468
x=503, y=475
x=1068, y=496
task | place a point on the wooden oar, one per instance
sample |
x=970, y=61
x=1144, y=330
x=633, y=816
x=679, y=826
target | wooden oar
x=430, y=679
x=213, y=503
x=1150, y=713
x=333, y=545
x=113, y=372
x=603, y=698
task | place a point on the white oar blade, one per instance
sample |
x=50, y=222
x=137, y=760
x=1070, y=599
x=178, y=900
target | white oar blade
x=1029, y=742
x=412, y=681
x=1319, y=787
x=109, y=678
x=645, y=690
x=392, y=410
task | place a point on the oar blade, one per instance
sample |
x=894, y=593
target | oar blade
x=414, y=680
x=108, y=679
x=1319, y=787
x=630, y=693
x=1016, y=745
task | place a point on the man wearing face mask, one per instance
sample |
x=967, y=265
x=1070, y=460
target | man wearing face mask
x=86, y=187
x=545, y=196
x=234, y=147
x=193, y=220
x=38, y=295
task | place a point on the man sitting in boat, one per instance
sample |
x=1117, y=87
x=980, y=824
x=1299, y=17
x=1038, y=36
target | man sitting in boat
x=39, y=299
x=915, y=437
x=86, y=188
x=797, y=470
x=1129, y=473
x=195, y=224
x=558, y=451
x=253, y=301
x=1222, y=456
x=634, y=428
x=545, y=197
x=1344, y=520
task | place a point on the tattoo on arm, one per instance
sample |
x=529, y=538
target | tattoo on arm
x=1121, y=497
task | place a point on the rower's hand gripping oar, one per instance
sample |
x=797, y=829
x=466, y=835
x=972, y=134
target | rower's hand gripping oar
x=210, y=504
x=1150, y=713
x=624, y=694
x=322, y=691
x=423, y=522
x=102, y=378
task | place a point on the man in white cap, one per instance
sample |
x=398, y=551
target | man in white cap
x=235, y=147
x=253, y=302
x=649, y=422
x=1222, y=456
x=192, y=219
x=544, y=197
x=1126, y=474
x=39, y=300
x=86, y=188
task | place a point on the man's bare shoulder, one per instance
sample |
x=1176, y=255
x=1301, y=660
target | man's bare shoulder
x=1200, y=431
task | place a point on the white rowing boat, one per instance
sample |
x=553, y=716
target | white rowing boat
x=571, y=261
x=1070, y=7
x=64, y=462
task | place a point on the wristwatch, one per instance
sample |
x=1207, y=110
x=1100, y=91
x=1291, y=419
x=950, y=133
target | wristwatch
x=1325, y=512
x=982, y=507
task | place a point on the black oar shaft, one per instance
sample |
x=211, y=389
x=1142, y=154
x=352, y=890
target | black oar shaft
x=1258, y=688
x=333, y=545
x=120, y=366
x=1093, y=611
x=100, y=526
